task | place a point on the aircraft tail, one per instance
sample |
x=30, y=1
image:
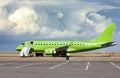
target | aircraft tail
x=106, y=36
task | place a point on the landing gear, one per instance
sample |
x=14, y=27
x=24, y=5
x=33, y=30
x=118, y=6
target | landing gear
x=56, y=55
x=31, y=55
x=63, y=54
x=59, y=54
x=39, y=54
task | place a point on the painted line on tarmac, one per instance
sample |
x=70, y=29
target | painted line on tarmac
x=87, y=66
x=115, y=65
x=31, y=64
x=118, y=67
x=7, y=63
x=57, y=65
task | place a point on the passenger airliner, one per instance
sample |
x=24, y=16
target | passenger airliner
x=62, y=47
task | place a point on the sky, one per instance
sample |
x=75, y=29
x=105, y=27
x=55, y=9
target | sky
x=22, y=20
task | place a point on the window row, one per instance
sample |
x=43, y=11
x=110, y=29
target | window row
x=57, y=44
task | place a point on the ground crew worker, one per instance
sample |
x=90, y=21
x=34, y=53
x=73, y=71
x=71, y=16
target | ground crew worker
x=67, y=57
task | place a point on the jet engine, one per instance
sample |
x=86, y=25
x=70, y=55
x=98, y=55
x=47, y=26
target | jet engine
x=50, y=51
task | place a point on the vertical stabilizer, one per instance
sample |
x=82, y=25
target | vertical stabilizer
x=106, y=36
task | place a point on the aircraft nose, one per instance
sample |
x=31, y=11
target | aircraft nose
x=17, y=48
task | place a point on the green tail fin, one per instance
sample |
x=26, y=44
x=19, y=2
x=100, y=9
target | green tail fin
x=106, y=36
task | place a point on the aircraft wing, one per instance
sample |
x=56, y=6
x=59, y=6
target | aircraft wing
x=64, y=48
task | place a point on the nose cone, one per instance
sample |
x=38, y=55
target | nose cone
x=18, y=48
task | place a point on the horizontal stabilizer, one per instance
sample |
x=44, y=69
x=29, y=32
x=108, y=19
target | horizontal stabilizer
x=108, y=44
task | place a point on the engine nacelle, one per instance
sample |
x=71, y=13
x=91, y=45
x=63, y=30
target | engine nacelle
x=49, y=51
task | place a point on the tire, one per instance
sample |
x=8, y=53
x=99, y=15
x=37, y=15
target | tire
x=39, y=54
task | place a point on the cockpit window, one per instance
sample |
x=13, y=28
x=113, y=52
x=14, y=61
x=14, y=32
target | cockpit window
x=22, y=43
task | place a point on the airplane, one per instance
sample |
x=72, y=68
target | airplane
x=62, y=47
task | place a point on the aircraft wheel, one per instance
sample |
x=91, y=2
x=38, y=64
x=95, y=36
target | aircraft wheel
x=63, y=54
x=39, y=54
x=31, y=55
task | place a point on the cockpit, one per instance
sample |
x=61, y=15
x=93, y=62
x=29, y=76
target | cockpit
x=19, y=47
x=22, y=43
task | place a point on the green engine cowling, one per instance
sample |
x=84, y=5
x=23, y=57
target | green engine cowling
x=49, y=51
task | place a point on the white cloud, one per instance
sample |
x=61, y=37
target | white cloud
x=3, y=24
x=25, y=19
x=119, y=33
x=5, y=2
x=3, y=13
x=71, y=19
x=60, y=14
x=98, y=22
x=59, y=34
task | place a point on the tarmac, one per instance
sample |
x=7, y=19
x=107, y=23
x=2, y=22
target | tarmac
x=85, y=65
x=70, y=69
x=89, y=56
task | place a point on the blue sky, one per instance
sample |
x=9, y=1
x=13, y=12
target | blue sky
x=22, y=20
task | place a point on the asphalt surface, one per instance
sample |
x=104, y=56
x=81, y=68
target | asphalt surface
x=86, y=69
